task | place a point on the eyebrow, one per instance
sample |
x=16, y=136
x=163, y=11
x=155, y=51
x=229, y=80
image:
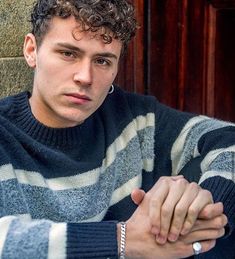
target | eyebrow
x=74, y=48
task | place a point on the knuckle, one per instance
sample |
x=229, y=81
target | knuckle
x=207, y=194
x=166, y=211
x=207, y=213
x=163, y=178
x=194, y=186
x=154, y=202
x=179, y=211
x=182, y=181
x=192, y=211
x=188, y=225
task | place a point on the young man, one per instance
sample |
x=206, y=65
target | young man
x=74, y=150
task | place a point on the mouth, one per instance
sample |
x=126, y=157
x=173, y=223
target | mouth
x=78, y=98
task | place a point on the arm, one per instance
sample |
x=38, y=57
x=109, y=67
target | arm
x=210, y=217
x=200, y=148
x=172, y=201
x=141, y=243
x=26, y=238
x=207, y=155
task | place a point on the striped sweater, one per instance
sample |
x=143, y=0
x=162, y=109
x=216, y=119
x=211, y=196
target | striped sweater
x=63, y=190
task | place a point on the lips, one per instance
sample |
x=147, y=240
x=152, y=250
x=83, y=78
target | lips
x=79, y=96
x=78, y=99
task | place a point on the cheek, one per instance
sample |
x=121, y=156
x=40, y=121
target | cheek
x=101, y=92
x=50, y=74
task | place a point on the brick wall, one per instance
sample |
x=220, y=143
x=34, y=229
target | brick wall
x=15, y=75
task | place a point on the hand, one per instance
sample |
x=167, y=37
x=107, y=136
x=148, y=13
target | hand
x=174, y=206
x=141, y=243
x=211, y=217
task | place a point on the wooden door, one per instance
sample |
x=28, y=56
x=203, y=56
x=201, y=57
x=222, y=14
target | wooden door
x=220, y=57
x=184, y=55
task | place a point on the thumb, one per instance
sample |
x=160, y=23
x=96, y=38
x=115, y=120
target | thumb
x=137, y=195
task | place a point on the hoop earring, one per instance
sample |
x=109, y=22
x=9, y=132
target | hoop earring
x=111, y=89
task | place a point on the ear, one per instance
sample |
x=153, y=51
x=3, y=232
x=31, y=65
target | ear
x=30, y=50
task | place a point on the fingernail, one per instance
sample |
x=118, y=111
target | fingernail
x=161, y=239
x=172, y=237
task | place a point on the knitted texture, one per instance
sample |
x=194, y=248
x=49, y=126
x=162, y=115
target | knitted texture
x=63, y=190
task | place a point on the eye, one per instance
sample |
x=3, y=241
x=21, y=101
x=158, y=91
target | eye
x=103, y=62
x=68, y=54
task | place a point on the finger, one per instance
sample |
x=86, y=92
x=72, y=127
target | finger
x=177, y=177
x=164, y=180
x=156, y=196
x=206, y=246
x=188, y=249
x=205, y=234
x=203, y=198
x=181, y=210
x=155, y=204
x=211, y=211
x=175, y=193
x=137, y=195
x=215, y=223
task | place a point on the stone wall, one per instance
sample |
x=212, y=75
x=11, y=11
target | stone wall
x=15, y=75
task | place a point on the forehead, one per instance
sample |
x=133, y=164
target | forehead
x=70, y=30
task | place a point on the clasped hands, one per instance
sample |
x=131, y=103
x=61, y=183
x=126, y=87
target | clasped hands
x=170, y=217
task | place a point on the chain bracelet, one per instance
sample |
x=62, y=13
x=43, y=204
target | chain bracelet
x=123, y=240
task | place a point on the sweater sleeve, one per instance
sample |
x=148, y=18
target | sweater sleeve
x=204, y=151
x=22, y=237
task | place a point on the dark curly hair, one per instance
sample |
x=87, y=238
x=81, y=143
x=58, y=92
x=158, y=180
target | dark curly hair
x=115, y=17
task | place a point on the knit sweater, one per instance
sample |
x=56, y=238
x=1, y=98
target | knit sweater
x=63, y=190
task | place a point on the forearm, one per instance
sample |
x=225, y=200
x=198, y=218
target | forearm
x=45, y=239
x=205, y=152
x=223, y=190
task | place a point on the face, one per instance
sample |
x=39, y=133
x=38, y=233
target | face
x=72, y=76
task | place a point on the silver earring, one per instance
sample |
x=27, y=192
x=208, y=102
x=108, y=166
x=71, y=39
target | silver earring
x=111, y=89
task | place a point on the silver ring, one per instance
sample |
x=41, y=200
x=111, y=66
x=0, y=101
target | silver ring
x=197, y=248
x=111, y=89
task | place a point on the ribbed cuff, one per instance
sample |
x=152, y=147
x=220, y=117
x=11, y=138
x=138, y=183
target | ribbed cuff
x=223, y=190
x=92, y=240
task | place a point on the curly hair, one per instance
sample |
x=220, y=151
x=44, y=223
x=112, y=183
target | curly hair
x=115, y=17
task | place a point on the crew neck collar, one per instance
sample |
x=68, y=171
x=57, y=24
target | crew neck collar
x=31, y=126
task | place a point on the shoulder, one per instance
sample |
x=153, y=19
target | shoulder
x=140, y=104
x=11, y=106
x=6, y=106
x=136, y=103
x=8, y=103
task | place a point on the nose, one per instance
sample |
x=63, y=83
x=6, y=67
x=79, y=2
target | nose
x=83, y=73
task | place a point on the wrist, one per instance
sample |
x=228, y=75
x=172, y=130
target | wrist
x=121, y=238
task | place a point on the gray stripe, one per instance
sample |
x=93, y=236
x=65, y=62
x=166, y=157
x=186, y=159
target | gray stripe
x=223, y=162
x=193, y=136
x=26, y=240
x=75, y=205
